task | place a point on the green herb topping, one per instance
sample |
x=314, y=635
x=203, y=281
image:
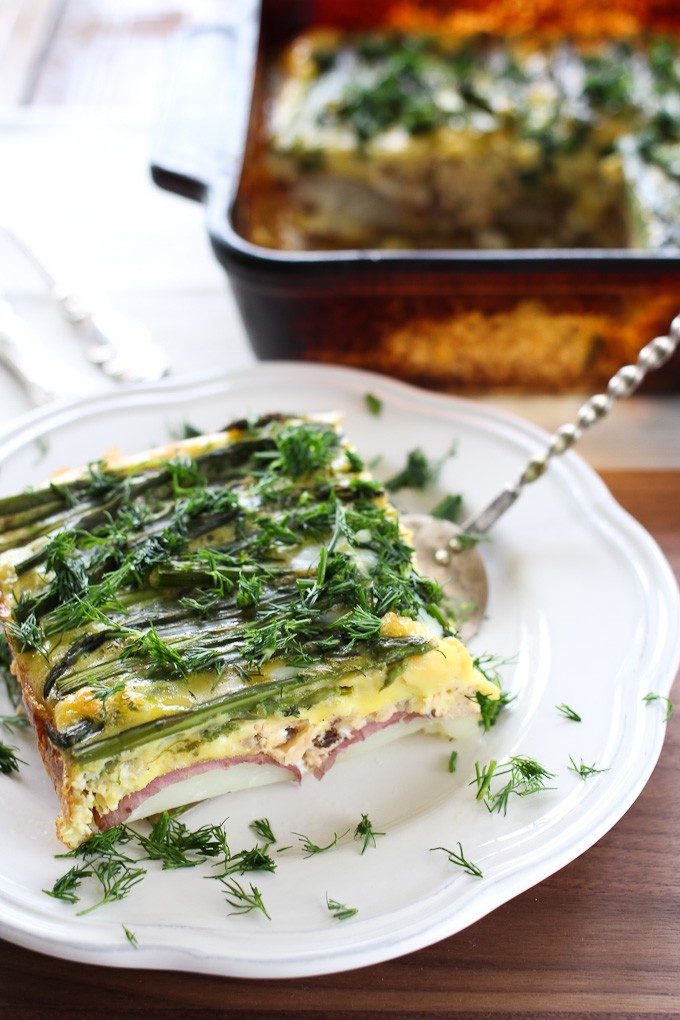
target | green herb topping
x=202, y=571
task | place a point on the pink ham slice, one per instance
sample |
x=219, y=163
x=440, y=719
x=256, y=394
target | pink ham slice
x=366, y=731
x=130, y=803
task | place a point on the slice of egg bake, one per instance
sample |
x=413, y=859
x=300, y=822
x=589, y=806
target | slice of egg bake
x=217, y=613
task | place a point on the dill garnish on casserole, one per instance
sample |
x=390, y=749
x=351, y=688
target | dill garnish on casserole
x=217, y=613
x=429, y=140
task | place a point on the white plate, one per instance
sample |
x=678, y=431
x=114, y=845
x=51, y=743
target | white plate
x=582, y=601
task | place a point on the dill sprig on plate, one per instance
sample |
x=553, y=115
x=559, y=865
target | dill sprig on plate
x=670, y=708
x=583, y=770
x=458, y=857
x=568, y=713
x=311, y=849
x=9, y=760
x=242, y=900
x=366, y=833
x=340, y=911
x=523, y=776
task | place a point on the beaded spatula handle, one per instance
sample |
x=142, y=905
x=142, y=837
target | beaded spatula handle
x=623, y=384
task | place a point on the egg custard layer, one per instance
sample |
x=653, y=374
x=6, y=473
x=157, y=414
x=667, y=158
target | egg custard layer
x=220, y=612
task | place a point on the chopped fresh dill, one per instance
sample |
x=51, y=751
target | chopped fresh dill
x=339, y=911
x=366, y=833
x=176, y=846
x=448, y=509
x=203, y=603
x=374, y=404
x=42, y=445
x=241, y=900
x=65, y=887
x=9, y=762
x=249, y=590
x=524, y=776
x=111, y=858
x=458, y=857
x=312, y=848
x=27, y=634
x=102, y=691
x=469, y=539
x=185, y=430
x=651, y=696
x=7, y=678
x=70, y=576
x=185, y=475
x=255, y=859
x=489, y=666
x=356, y=464
x=397, y=93
x=418, y=472
x=583, y=770
x=64, y=494
x=568, y=713
x=102, y=484
x=12, y=723
x=490, y=708
x=149, y=645
x=262, y=828
x=453, y=761
x=116, y=878
x=78, y=611
x=114, y=872
x=304, y=449
x=131, y=937
x=104, y=844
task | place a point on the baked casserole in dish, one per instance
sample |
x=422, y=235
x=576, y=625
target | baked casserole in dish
x=223, y=612
x=468, y=196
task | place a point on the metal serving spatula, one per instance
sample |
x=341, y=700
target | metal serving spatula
x=457, y=565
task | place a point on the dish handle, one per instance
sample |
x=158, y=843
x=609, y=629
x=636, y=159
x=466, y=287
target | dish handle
x=203, y=121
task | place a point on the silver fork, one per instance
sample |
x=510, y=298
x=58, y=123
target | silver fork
x=120, y=346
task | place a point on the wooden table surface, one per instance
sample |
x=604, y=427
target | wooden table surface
x=601, y=938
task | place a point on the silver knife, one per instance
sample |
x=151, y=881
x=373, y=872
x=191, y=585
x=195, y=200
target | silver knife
x=120, y=346
x=44, y=375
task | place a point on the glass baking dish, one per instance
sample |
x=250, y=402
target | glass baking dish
x=523, y=320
